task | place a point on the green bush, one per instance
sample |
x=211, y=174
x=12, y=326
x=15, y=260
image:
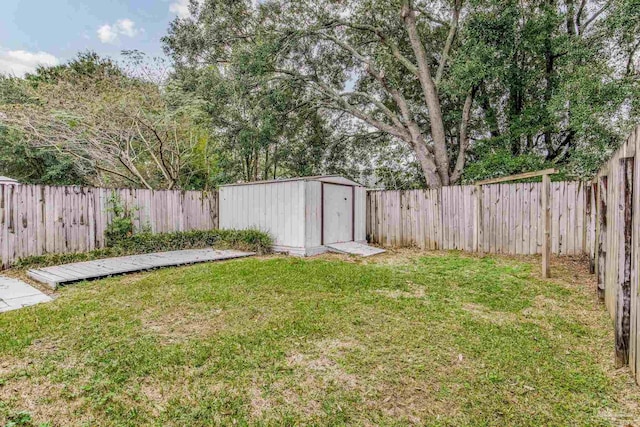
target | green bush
x=145, y=242
x=121, y=225
x=247, y=240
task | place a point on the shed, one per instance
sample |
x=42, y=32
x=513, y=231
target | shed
x=8, y=181
x=303, y=215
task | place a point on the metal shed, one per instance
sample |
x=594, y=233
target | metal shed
x=303, y=215
x=8, y=181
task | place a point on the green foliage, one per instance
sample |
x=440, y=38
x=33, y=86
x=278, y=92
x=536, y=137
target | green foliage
x=112, y=124
x=32, y=165
x=23, y=419
x=550, y=84
x=29, y=164
x=47, y=260
x=263, y=129
x=249, y=240
x=553, y=89
x=121, y=226
x=146, y=242
x=492, y=161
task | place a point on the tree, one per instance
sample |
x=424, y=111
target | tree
x=315, y=46
x=452, y=80
x=27, y=164
x=266, y=127
x=553, y=92
x=118, y=125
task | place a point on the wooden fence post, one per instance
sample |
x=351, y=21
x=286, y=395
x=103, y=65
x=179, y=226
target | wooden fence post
x=590, y=215
x=546, y=225
x=623, y=301
x=478, y=235
x=601, y=246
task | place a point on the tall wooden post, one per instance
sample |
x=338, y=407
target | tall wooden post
x=601, y=249
x=623, y=301
x=546, y=210
x=546, y=224
x=478, y=235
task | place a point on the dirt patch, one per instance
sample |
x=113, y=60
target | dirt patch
x=9, y=366
x=259, y=404
x=314, y=372
x=496, y=317
x=130, y=279
x=321, y=371
x=412, y=401
x=543, y=307
x=414, y=291
x=392, y=256
x=159, y=393
x=46, y=401
x=181, y=325
x=338, y=346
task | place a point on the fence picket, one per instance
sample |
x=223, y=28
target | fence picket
x=35, y=219
x=510, y=218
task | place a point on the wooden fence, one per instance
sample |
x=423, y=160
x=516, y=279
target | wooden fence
x=614, y=206
x=40, y=219
x=508, y=219
x=600, y=218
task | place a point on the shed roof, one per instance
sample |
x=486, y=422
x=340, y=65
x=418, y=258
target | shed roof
x=7, y=180
x=331, y=179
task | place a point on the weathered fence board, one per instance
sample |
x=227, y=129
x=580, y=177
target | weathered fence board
x=614, y=246
x=35, y=219
x=508, y=220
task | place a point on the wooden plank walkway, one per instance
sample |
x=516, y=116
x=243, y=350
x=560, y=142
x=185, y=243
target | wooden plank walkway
x=75, y=272
x=15, y=294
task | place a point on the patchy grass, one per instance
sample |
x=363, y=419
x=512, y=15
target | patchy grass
x=409, y=338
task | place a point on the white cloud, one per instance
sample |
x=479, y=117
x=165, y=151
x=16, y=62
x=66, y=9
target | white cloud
x=127, y=27
x=180, y=8
x=20, y=62
x=109, y=33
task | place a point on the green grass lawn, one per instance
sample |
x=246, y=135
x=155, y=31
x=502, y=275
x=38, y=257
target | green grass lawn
x=409, y=338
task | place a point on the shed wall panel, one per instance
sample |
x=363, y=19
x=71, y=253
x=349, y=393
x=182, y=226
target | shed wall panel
x=361, y=214
x=276, y=208
x=313, y=214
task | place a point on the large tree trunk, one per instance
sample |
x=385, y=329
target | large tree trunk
x=427, y=164
x=430, y=93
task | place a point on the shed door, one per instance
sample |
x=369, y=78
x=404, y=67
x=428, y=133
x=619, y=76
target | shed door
x=338, y=213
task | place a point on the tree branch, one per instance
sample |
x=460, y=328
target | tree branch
x=416, y=137
x=379, y=76
x=378, y=103
x=464, y=137
x=594, y=17
x=395, y=51
x=345, y=106
x=455, y=16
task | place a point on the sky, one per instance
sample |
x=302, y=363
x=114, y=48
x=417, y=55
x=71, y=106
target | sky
x=50, y=32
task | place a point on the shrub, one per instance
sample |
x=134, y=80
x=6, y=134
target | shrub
x=145, y=242
x=121, y=225
x=248, y=240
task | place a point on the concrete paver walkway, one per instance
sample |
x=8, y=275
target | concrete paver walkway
x=15, y=294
